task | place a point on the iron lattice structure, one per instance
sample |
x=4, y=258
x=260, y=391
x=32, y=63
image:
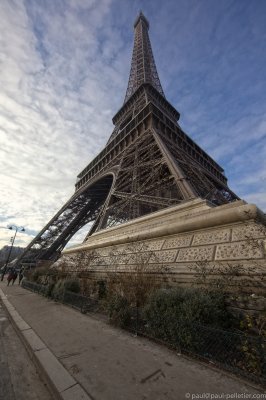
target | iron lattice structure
x=149, y=163
x=143, y=68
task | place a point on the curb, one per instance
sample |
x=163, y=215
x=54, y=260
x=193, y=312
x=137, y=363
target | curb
x=62, y=385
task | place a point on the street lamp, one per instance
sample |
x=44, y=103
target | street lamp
x=16, y=228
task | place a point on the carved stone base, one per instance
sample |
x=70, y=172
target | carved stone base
x=178, y=241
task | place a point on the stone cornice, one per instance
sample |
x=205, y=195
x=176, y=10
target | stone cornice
x=190, y=216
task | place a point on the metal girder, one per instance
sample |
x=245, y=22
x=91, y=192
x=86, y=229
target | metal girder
x=77, y=212
x=143, y=183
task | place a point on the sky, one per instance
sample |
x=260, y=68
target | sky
x=64, y=67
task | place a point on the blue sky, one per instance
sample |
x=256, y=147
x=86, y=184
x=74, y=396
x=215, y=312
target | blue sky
x=64, y=73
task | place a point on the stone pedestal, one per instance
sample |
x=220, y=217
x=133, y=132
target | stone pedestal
x=176, y=242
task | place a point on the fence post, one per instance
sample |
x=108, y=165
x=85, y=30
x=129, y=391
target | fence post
x=83, y=305
x=63, y=297
x=137, y=319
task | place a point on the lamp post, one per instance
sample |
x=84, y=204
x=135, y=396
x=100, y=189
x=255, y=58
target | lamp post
x=16, y=228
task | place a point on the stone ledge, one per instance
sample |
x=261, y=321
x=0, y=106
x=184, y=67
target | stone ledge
x=154, y=226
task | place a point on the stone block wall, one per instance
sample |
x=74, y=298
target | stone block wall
x=165, y=244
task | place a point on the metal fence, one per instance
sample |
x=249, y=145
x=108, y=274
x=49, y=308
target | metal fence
x=82, y=303
x=237, y=352
x=34, y=287
x=234, y=351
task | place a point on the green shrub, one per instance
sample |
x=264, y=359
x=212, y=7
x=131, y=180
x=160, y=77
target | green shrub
x=102, y=290
x=172, y=314
x=119, y=311
x=49, y=289
x=41, y=274
x=58, y=290
x=71, y=285
x=36, y=274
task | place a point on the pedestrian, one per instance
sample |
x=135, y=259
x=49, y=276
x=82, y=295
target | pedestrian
x=3, y=271
x=15, y=275
x=20, y=275
x=10, y=277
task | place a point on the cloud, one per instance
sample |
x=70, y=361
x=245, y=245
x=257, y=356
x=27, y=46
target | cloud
x=54, y=111
x=257, y=198
x=64, y=71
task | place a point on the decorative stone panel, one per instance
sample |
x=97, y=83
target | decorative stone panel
x=152, y=245
x=122, y=259
x=196, y=254
x=102, y=261
x=214, y=236
x=95, y=261
x=140, y=258
x=105, y=251
x=248, y=232
x=128, y=248
x=239, y=251
x=178, y=241
x=114, y=251
x=163, y=256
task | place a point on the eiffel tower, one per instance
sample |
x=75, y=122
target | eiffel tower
x=148, y=164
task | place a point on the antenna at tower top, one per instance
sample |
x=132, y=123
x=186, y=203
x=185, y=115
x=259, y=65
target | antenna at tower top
x=141, y=17
x=143, y=68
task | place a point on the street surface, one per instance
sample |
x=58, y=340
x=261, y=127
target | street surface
x=18, y=377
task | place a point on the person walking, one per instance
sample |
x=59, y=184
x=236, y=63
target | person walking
x=14, y=277
x=20, y=275
x=10, y=277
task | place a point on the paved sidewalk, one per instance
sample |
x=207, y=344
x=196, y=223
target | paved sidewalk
x=84, y=358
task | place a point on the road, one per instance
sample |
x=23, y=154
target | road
x=18, y=377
